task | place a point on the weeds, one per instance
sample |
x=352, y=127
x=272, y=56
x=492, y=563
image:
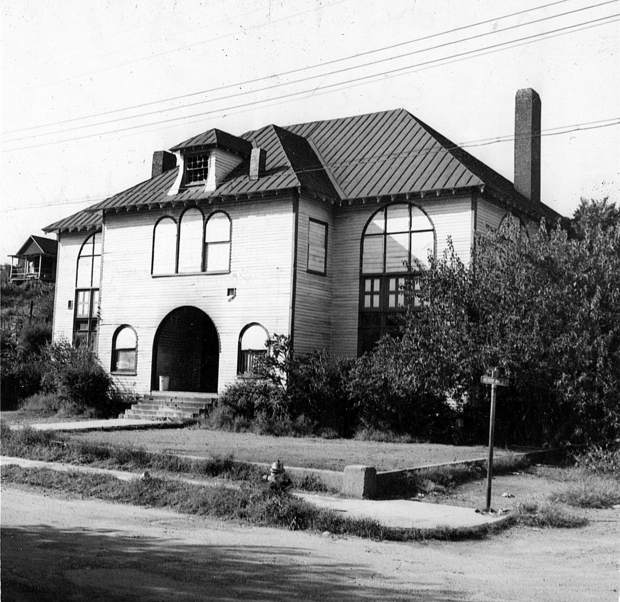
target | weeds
x=590, y=491
x=254, y=505
x=547, y=515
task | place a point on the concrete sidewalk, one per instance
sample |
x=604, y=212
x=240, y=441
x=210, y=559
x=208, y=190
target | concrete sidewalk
x=108, y=424
x=396, y=514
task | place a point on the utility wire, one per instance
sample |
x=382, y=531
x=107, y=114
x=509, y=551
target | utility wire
x=296, y=70
x=311, y=77
x=370, y=159
x=384, y=74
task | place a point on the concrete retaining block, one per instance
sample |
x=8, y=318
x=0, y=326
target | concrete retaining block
x=359, y=481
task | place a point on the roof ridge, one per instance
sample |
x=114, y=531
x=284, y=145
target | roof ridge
x=335, y=119
x=277, y=131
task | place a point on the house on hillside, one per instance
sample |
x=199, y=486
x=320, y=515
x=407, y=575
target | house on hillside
x=35, y=260
x=308, y=230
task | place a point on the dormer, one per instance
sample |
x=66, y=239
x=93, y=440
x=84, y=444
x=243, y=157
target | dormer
x=205, y=160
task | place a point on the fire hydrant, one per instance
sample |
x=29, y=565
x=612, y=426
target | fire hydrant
x=277, y=477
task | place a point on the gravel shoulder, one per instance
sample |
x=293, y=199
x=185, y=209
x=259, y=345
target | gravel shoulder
x=58, y=548
x=311, y=452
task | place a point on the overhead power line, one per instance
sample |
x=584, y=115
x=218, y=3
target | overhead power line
x=307, y=67
x=345, y=83
x=370, y=159
x=312, y=77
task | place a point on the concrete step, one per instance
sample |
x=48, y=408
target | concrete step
x=159, y=414
x=182, y=403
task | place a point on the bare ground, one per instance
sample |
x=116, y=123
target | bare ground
x=65, y=549
x=311, y=452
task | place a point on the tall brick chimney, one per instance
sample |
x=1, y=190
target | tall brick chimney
x=257, y=163
x=527, y=143
x=162, y=161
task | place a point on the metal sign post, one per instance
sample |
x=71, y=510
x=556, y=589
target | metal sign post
x=492, y=379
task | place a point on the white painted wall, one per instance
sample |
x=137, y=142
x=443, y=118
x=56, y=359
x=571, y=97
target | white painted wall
x=261, y=269
x=68, y=249
x=313, y=327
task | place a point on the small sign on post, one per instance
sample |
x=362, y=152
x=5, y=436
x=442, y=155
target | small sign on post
x=492, y=378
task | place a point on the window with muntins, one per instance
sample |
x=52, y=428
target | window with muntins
x=317, y=246
x=124, y=350
x=396, y=245
x=86, y=308
x=252, y=346
x=196, y=168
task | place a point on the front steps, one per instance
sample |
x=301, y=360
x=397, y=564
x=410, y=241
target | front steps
x=170, y=405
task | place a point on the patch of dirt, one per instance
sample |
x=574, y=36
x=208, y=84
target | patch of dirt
x=311, y=452
x=55, y=548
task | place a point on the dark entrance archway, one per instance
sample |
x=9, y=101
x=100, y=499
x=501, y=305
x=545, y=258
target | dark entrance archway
x=186, y=348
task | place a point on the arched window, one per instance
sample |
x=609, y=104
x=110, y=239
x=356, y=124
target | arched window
x=88, y=275
x=217, y=243
x=252, y=345
x=164, y=246
x=396, y=244
x=89, y=262
x=190, y=241
x=124, y=350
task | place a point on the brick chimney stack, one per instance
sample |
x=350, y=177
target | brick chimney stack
x=162, y=161
x=527, y=144
x=257, y=163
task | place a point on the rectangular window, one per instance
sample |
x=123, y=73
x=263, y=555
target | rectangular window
x=196, y=168
x=86, y=318
x=317, y=246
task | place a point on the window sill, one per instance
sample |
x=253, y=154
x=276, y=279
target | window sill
x=123, y=373
x=190, y=274
x=315, y=272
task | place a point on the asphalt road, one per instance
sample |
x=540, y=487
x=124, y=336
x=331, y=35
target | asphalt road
x=65, y=549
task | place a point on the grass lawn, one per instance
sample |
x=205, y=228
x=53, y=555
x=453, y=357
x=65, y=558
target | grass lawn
x=332, y=454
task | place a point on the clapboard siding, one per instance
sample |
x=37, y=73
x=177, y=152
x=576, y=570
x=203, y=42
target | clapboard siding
x=312, y=327
x=69, y=246
x=451, y=217
x=261, y=269
x=488, y=216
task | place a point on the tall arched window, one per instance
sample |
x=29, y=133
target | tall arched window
x=124, y=350
x=217, y=243
x=88, y=275
x=190, y=241
x=252, y=345
x=164, y=246
x=396, y=244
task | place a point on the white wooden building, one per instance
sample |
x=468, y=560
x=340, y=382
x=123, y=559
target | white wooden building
x=306, y=230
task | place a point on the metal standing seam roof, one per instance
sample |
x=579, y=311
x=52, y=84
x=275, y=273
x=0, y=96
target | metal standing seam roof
x=372, y=155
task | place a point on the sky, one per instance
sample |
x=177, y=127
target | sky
x=90, y=88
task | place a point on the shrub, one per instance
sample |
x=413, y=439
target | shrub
x=34, y=337
x=392, y=394
x=600, y=460
x=250, y=401
x=41, y=402
x=317, y=390
x=590, y=491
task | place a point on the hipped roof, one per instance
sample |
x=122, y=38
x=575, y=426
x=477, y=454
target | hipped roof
x=366, y=156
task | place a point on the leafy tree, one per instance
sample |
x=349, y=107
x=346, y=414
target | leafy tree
x=545, y=309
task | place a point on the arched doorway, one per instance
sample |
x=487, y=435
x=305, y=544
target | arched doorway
x=186, y=349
